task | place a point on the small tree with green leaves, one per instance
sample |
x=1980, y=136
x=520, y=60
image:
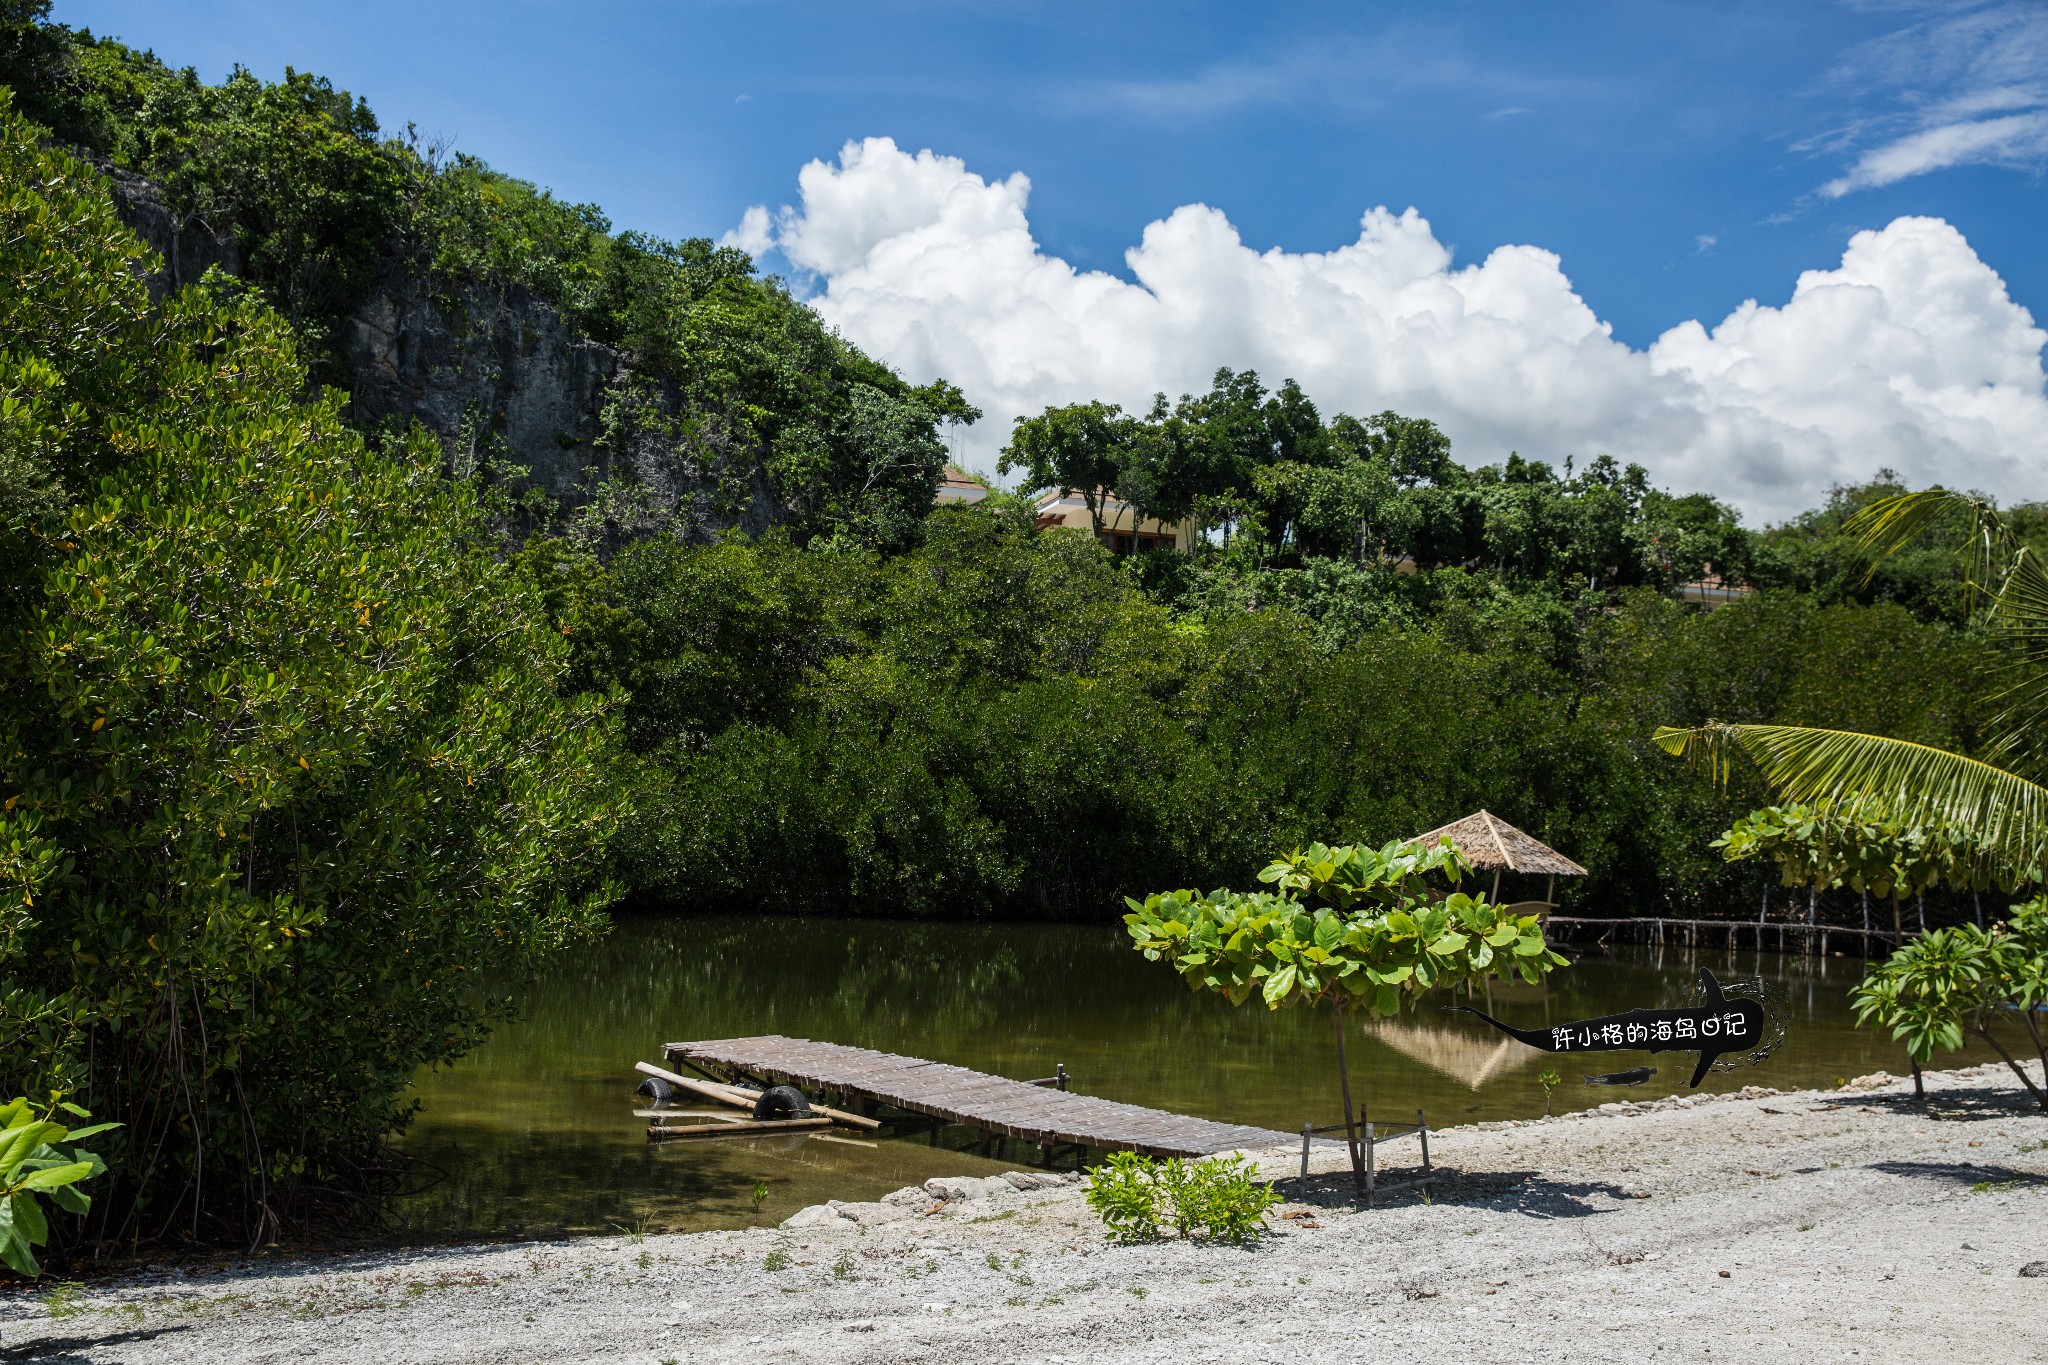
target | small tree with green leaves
x=1822, y=848
x=1351, y=926
x=1961, y=980
x=40, y=1159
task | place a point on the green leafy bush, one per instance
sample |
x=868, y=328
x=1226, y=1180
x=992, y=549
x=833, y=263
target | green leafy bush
x=1139, y=1198
x=40, y=1159
x=289, y=779
x=1381, y=945
x=1949, y=982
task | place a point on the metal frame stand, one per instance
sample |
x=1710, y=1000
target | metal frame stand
x=1363, y=1137
x=1364, y=1166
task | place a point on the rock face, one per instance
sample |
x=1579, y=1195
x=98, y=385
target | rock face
x=497, y=373
x=188, y=247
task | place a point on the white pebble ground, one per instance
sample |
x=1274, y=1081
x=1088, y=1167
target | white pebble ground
x=1802, y=1227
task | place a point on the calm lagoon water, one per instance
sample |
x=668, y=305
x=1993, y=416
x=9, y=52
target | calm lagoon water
x=536, y=1133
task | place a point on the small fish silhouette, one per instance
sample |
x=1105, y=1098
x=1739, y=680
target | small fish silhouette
x=1633, y=1076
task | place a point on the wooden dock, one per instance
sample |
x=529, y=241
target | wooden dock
x=1000, y=1108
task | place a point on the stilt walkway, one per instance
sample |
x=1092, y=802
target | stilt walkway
x=954, y=1094
x=1785, y=934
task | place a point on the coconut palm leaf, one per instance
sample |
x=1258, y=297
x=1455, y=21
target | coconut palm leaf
x=2003, y=573
x=1890, y=524
x=1872, y=776
x=2019, y=619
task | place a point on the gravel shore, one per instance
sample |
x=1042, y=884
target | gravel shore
x=1814, y=1225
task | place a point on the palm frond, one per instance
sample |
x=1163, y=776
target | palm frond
x=1888, y=525
x=2019, y=616
x=1876, y=777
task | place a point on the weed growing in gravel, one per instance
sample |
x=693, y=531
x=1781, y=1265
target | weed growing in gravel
x=64, y=1300
x=995, y=1262
x=1136, y=1291
x=1997, y=1186
x=644, y=1259
x=775, y=1260
x=1016, y=1303
x=843, y=1267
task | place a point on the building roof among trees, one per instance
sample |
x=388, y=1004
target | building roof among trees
x=1486, y=840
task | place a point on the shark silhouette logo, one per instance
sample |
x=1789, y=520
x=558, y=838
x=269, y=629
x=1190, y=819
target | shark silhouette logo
x=1719, y=1024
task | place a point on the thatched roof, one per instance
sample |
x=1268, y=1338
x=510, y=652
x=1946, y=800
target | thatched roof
x=1486, y=840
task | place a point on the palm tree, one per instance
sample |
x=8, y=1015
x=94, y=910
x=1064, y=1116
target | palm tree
x=2001, y=811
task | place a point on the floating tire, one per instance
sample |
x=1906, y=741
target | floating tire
x=658, y=1090
x=782, y=1102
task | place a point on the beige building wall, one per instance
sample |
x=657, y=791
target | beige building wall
x=1068, y=509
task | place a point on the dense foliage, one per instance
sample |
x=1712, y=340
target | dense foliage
x=1006, y=721
x=288, y=771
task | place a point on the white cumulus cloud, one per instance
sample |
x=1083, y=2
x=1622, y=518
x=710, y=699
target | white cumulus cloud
x=1910, y=354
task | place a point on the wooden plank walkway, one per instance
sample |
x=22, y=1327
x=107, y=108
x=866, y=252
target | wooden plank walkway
x=954, y=1094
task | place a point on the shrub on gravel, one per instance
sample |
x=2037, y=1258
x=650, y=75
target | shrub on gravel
x=1139, y=1199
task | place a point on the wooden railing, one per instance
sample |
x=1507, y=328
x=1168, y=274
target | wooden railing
x=1782, y=935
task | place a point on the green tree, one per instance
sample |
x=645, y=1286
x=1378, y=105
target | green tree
x=1962, y=979
x=1354, y=926
x=1082, y=447
x=1997, y=809
x=289, y=772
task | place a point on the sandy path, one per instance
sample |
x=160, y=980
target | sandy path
x=1807, y=1226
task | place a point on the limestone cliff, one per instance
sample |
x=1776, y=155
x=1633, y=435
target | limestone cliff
x=496, y=372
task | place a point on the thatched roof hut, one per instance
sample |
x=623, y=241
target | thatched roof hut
x=1486, y=840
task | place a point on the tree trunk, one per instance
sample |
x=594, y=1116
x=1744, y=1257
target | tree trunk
x=1344, y=1083
x=1919, y=1086
x=2028, y=1081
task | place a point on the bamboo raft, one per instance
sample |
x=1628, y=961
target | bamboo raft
x=1051, y=1119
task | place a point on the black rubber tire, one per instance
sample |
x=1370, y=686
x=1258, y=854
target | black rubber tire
x=782, y=1102
x=658, y=1090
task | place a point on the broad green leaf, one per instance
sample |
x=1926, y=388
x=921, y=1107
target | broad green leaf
x=53, y=1176
x=29, y=1222
x=1279, y=983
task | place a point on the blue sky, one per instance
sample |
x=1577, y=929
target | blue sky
x=1620, y=135
x=1677, y=158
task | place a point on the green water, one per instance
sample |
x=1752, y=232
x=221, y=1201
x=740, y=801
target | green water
x=536, y=1132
